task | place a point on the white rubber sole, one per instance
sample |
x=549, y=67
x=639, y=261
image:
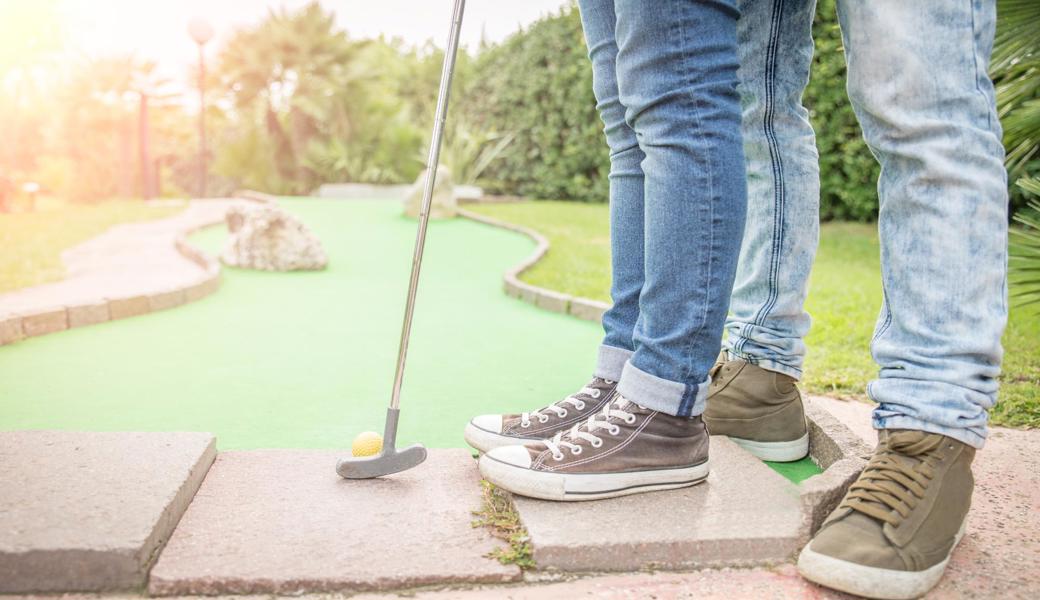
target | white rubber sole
x=872, y=582
x=485, y=441
x=776, y=451
x=570, y=487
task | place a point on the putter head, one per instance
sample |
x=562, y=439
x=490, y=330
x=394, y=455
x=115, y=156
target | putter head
x=390, y=460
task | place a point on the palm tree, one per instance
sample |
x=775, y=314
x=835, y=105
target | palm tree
x=1016, y=70
x=293, y=71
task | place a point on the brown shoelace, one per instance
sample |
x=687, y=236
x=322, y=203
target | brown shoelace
x=896, y=478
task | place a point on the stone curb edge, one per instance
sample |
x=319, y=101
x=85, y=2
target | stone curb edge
x=582, y=308
x=835, y=449
x=52, y=319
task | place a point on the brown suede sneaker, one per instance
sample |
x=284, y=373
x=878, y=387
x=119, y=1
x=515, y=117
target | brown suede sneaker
x=894, y=531
x=623, y=449
x=760, y=410
x=491, y=431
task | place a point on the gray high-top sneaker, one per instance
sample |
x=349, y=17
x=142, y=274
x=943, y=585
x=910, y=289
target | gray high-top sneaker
x=623, y=449
x=894, y=531
x=491, y=431
x=760, y=410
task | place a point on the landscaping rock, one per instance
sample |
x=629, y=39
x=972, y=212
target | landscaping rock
x=444, y=203
x=744, y=514
x=283, y=522
x=267, y=238
x=89, y=511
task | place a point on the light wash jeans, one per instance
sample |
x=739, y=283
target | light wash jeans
x=665, y=80
x=918, y=83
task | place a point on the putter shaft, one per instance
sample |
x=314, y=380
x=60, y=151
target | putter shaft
x=447, y=70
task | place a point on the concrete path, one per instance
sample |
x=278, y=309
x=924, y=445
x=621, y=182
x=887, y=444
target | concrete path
x=89, y=511
x=283, y=522
x=130, y=269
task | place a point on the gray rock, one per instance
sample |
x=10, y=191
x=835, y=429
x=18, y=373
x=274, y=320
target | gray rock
x=444, y=204
x=267, y=238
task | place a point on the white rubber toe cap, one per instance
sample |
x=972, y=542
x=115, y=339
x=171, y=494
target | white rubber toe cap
x=492, y=423
x=517, y=456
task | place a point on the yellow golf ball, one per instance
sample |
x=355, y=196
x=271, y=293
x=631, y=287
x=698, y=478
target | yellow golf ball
x=367, y=443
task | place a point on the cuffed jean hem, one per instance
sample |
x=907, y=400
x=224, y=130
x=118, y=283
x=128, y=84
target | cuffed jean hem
x=766, y=363
x=655, y=393
x=611, y=362
x=968, y=436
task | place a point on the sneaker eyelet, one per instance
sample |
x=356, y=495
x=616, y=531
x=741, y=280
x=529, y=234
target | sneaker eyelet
x=543, y=419
x=525, y=425
x=609, y=382
x=563, y=415
x=576, y=451
x=557, y=457
x=580, y=406
x=630, y=420
x=614, y=430
x=597, y=443
x=596, y=393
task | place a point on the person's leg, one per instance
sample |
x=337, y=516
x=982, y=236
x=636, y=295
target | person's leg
x=768, y=321
x=676, y=79
x=485, y=432
x=754, y=398
x=626, y=191
x=677, y=76
x=918, y=82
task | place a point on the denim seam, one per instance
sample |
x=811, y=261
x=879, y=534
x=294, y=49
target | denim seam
x=686, y=403
x=975, y=61
x=777, y=168
x=888, y=316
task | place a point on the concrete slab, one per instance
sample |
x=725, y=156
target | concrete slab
x=721, y=522
x=283, y=522
x=89, y=511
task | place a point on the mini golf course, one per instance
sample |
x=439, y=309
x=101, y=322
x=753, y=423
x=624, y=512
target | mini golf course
x=305, y=360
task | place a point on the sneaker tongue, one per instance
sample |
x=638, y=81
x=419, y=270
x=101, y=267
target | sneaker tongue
x=913, y=443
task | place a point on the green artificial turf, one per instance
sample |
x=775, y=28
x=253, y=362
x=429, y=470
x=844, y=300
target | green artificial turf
x=305, y=360
x=844, y=299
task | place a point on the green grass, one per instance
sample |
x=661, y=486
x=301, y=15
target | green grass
x=498, y=514
x=844, y=299
x=32, y=242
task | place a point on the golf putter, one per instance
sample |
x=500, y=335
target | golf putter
x=390, y=459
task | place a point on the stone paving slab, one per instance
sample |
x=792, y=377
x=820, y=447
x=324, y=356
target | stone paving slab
x=89, y=511
x=283, y=522
x=744, y=514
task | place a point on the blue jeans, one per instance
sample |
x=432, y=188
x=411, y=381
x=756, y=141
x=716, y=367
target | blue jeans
x=918, y=83
x=665, y=80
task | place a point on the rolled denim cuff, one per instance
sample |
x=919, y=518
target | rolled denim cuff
x=768, y=364
x=968, y=436
x=655, y=393
x=610, y=362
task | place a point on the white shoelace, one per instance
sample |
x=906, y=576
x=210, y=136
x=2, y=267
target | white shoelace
x=600, y=420
x=561, y=412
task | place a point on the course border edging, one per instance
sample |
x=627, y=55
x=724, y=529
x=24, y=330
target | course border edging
x=576, y=306
x=41, y=320
x=833, y=447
